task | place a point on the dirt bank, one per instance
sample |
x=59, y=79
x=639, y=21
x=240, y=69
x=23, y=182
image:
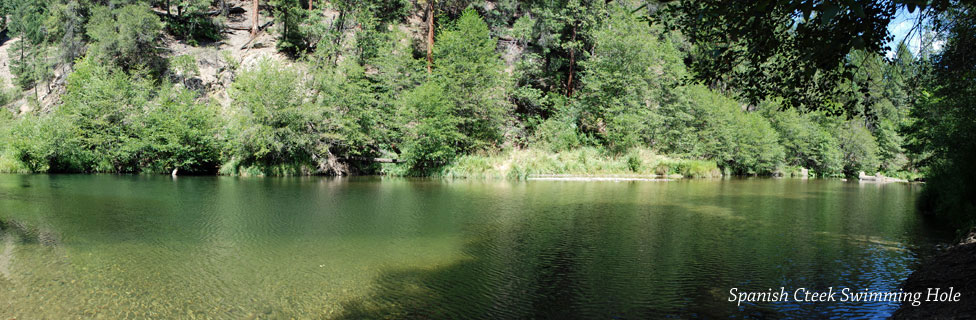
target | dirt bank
x=954, y=268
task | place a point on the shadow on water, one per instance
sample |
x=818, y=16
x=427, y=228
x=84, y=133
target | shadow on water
x=465, y=290
x=621, y=261
x=478, y=250
x=596, y=265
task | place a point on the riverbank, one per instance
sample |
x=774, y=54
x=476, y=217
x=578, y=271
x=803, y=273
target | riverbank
x=522, y=164
x=954, y=268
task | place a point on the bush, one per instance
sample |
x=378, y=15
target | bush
x=194, y=24
x=127, y=37
x=474, y=82
x=859, y=148
x=623, y=81
x=432, y=135
x=110, y=122
x=705, y=124
x=274, y=127
x=586, y=161
x=685, y=117
x=184, y=67
x=178, y=133
x=805, y=141
x=104, y=104
x=557, y=134
x=43, y=144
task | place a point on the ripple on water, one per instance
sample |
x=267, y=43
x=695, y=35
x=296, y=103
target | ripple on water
x=361, y=248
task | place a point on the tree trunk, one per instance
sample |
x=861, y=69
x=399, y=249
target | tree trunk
x=34, y=75
x=167, y=8
x=430, y=35
x=254, y=19
x=309, y=5
x=572, y=63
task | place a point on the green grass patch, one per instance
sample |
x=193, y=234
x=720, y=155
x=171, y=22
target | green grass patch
x=524, y=163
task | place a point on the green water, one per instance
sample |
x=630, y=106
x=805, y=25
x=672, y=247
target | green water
x=112, y=247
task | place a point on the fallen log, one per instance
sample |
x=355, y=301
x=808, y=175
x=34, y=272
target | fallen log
x=368, y=159
x=256, y=34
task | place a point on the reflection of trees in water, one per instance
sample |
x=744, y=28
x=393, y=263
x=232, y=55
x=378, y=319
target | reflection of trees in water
x=531, y=250
x=634, y=260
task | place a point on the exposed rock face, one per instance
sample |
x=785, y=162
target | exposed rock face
x=877, y=178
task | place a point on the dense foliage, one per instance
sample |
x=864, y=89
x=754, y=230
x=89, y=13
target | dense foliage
x=762, y=88
x=943, y=132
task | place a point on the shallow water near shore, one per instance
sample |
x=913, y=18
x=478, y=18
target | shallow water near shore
x=103, y=246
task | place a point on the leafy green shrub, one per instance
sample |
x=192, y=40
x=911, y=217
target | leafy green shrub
x=698, y=169
x=806, y=142
x=634, y=162
x=557, y=134
x=685, y=118
x=103, y=103
x=859, y=148
x=474, y=82
x=623, y=81
x=127, y=36
x=44, y=144
x=184, y=66
x=178, y=133
x=193, y=23
x=705, y=124
x=110, y=122
x=274, y=125
x=891, y=155
x=432, y=136
x=290, y=20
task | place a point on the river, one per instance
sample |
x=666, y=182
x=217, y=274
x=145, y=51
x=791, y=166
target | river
x=90, y=246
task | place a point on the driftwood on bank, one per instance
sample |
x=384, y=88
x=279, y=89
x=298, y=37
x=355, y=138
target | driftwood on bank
x=368, y=159
x=212, y=13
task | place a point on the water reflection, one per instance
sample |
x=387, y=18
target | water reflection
x=357, y=248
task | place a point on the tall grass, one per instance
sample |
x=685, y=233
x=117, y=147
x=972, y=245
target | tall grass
x=587, y=161
x=9, y=164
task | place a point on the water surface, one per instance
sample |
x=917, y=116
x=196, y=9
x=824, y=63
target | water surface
x=101, y=246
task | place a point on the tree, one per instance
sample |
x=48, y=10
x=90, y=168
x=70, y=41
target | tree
x=273, y=127
x=127, y=37
x=859, y=147
x=27, y=20
x=102, y=102
x=624, y=80
x=255, y=5
x=178, y=134
x=791, y=49
x=943, y=133
x=474, y=82
x=432, y=137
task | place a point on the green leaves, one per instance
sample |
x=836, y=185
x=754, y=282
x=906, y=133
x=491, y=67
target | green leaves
x=273, y=125
x=176, y=132
x=128, y=37
x=624, y=80
x=432, y=135
x=114, y=122
x=766, y=50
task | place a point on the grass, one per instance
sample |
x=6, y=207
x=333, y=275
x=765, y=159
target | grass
x=525, y=163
